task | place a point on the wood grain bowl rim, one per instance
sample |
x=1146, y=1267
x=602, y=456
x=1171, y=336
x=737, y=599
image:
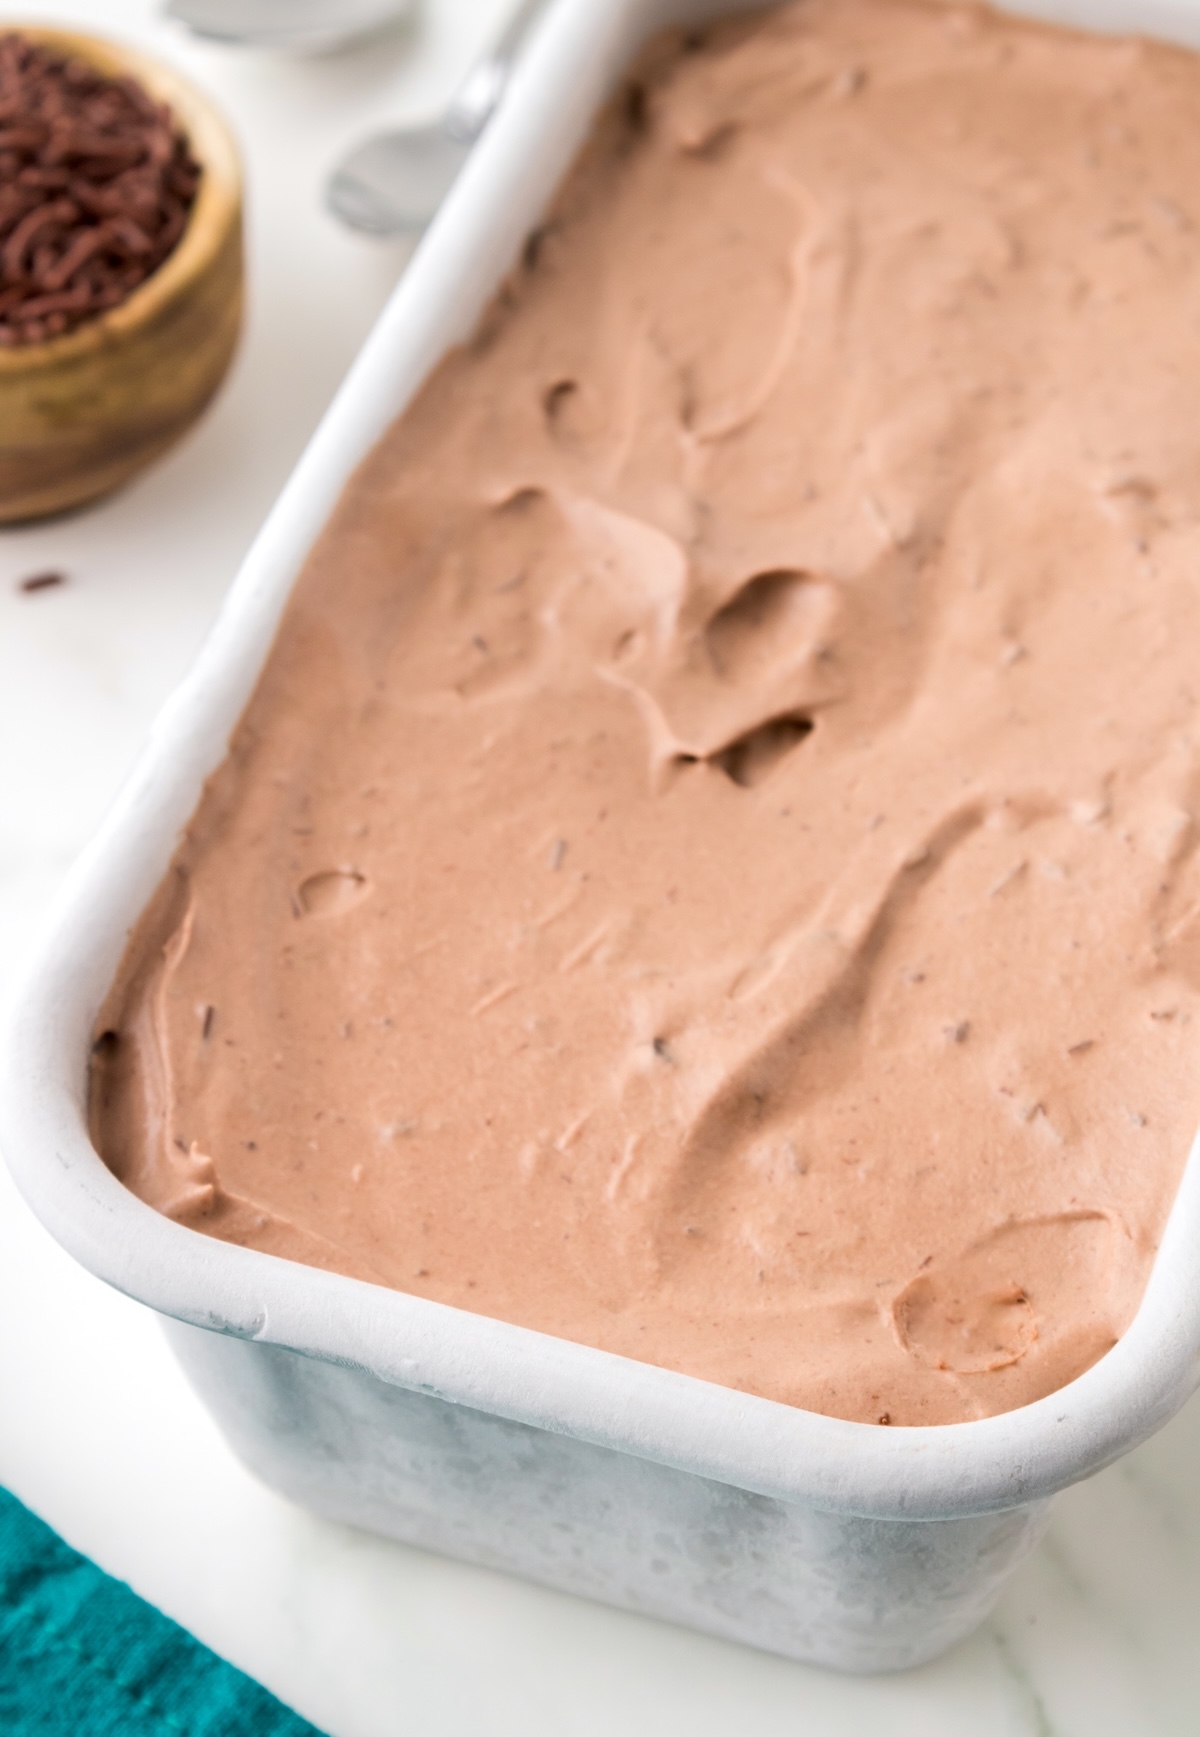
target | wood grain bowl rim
x=217, y=206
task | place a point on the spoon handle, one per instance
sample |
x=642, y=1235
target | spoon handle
x=474, y=102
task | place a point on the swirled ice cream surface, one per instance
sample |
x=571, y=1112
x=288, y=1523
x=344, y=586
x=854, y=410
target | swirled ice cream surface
x=710, y=867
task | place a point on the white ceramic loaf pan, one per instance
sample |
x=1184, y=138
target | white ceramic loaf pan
x=854, y=1546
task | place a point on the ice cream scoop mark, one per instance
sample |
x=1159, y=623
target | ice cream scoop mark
x=331, y=892
x=520, y=500
x=635, y=108
x=975, y=1313
x=557, y=404
x=834, y=1001
x=764, y=620
x=726, y=417
x=753, y=757
x=971, y=1334
x=535, y=243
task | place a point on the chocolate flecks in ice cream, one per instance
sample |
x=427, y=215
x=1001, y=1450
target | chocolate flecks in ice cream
x=710, y=868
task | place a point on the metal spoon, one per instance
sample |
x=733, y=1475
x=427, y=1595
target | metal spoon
x=394, y=182
x=294, y=24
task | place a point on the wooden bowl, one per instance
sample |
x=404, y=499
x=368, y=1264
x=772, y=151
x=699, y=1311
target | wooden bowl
x=81, y=413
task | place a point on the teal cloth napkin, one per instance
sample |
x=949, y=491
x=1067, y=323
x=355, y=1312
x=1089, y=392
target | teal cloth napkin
x=83, y=1656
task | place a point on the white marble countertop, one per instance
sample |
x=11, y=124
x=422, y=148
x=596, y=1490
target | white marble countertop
x=99, y=1432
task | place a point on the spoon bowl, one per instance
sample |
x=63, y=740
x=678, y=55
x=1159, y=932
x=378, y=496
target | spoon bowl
x=392, y=184
x=306, y=25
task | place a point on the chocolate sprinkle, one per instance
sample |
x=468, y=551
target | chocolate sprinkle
x=96, y=182
x=41, y=581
